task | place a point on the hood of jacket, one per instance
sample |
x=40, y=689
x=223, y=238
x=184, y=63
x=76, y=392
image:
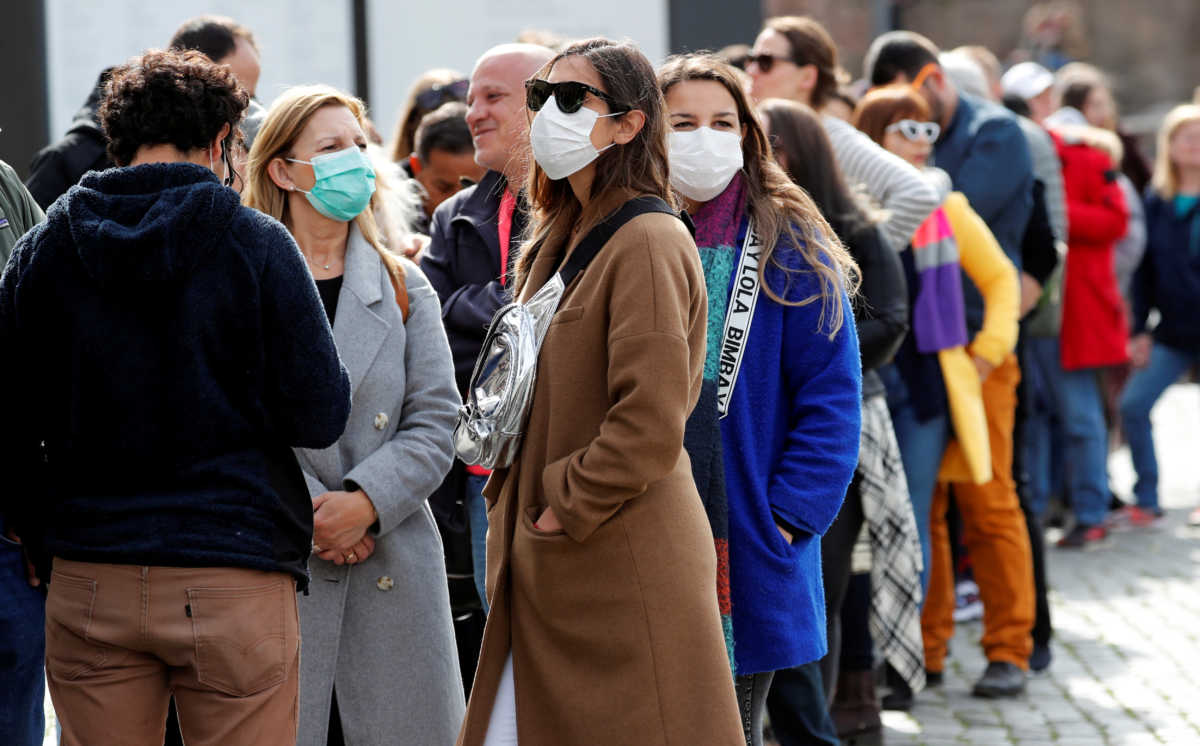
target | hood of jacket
x=145, y=224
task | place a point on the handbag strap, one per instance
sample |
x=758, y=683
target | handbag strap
x=591, y=244
x=401, y=295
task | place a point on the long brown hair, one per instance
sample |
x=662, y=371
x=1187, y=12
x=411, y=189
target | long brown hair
x=884, y=106
x=805, y=153
x=811, y=45
x=404, y=138
x=775, y=203
x=285, y=120
x=639, y=166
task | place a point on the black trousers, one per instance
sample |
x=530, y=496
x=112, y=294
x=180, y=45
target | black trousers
x=799, y=712
x=752, y=697
x=837, y=546
x=1042, y=627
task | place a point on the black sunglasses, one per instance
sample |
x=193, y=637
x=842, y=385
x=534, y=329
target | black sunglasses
x=766, y=61
x=435, y=96
x=569, y=95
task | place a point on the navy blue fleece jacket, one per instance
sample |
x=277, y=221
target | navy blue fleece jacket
x=166, y=348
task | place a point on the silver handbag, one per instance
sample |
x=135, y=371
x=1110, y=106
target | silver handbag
x=492, y=420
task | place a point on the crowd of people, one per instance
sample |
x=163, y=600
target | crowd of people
x=827, y=352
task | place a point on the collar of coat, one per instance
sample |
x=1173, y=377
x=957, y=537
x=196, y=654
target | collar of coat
x=363, y=320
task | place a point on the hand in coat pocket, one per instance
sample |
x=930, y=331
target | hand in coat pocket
x=787, y=535
x=548, y=521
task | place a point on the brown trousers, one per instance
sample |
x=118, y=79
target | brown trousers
x=995, y=534
x=120, y=639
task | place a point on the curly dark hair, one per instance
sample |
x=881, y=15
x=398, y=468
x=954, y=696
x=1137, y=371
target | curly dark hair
x=169, y=98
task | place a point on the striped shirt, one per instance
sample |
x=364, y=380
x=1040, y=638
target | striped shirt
x=898, y=187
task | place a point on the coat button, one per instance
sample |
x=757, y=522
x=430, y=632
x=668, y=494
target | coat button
x=384, y=583
x=381, y=421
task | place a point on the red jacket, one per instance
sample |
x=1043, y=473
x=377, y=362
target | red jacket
x=1095, y=332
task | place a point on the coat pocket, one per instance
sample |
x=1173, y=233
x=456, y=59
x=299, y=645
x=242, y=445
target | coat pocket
x=70, y=649
x=245, y=636
x=531, y=515
x=573, y=313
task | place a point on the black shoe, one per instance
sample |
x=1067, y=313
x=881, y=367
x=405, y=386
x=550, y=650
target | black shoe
x=933, y=678
x=1001, y=679
x=901, y=695
x=1041, y=657
x=1084, y=537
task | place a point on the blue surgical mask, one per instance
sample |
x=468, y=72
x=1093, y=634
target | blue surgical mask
x=344, y=183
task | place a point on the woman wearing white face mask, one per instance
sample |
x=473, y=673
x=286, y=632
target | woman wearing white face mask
x=378, y=604
x=604, y=626
x=782, y=379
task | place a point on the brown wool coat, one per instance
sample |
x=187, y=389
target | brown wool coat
x=612, y=622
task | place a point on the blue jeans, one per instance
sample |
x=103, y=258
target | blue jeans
x=922, y=445
x=1043, y=436
x=22, y=651
x=1086, y=450
x=1166, y=365
x=477, y=517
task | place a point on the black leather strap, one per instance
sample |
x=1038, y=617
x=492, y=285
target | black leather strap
x=591, y=244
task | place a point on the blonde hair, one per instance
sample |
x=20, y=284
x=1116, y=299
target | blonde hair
x=1166, y=173
x=285, y=120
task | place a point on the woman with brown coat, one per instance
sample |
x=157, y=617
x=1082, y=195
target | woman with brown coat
x=604, y=626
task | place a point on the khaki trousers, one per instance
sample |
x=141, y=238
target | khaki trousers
x=995, y=534
x=120, y=639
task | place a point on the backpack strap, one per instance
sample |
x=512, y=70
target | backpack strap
x=591, y=244
x=401, y=295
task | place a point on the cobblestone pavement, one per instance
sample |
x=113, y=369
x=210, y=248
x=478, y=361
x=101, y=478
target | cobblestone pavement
x=1127, y=631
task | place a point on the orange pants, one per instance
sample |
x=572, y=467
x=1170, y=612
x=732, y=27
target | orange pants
x=995, y=534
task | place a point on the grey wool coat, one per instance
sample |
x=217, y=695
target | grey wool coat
x=381, y=631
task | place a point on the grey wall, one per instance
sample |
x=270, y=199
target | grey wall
x=23, y=107
x=712, y=24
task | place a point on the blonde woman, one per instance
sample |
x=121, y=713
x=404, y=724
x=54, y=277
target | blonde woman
x=379, y=606
x=1167, y=280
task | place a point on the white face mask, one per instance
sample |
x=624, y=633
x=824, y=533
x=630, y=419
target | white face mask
x=562, y=143
x=704, y=161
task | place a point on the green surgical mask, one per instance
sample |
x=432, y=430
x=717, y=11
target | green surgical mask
x=344, y=183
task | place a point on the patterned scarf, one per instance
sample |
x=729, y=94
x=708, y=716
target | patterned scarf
x=894, y=548
x=939, y=320
x=717, y=224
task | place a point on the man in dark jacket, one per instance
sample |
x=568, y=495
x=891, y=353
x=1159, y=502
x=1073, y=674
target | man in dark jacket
x=983, y=149
x=22, y=606
x=58, y=166
x=474, y=237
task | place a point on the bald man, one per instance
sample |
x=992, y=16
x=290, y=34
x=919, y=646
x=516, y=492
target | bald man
x=474, y=240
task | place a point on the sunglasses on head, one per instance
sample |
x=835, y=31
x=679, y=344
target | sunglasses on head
x=766, y=61
x=435, y=96
x=916, y=131
x=569, y=95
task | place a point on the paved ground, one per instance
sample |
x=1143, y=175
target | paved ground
x=1127, y=623
x=1127, y=631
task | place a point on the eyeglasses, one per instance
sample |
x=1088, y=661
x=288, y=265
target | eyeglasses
x=916, y=131
x=569, y=95
x=435, y=96
x=766, y=61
